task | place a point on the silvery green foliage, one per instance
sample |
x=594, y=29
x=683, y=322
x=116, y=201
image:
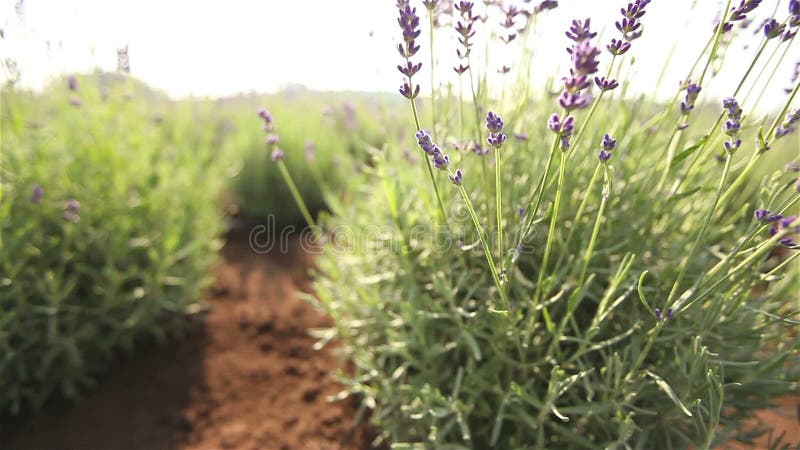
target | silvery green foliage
x=644, y=307
x=107, y=237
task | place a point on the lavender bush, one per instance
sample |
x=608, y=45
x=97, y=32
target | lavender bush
x=590, y=270
x=106, y=239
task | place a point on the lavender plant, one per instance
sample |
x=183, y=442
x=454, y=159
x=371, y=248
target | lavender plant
x=640, y=297
x=106, y=239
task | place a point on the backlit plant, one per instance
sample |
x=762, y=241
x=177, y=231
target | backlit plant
x=621, y=279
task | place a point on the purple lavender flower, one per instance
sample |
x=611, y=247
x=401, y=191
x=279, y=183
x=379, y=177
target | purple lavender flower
x=786, y=222
x=732, y=126
x=545, y=5
x=573, y=101
x=521, y=136
x=465, y=28
x=773, y=29
x=575, y=83
x=732, y=145
x=774, y=218
x=269, y=124
x=609, y=143
x=510, y=12
x=496, y=140
x=761, y=214
x=579, y=31
x=277, y=154
x=555, y=125
x=605, y=84
x=494, y=122
x=409, y=69
x=788, y=124
x=409, y=24
x=72, y=209
x=272, y=139
x=425, y=142
x=792, y=166
x=72, y=83
x=457, y=178
x=584, y=57
x=405, y=91
x=657, y=313
x=794, y=7
x=440, y=160
x=739, y=12
x=75, y=101
x=36, y=194
x=618, y=47
x=692, y=90
x=669, y=314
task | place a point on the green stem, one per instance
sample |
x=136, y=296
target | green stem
x=287, y=177
x=499, y=207
x=485, y=244
x=701, y=234
x=430, y=170
x=562, y=168
x=536, y=194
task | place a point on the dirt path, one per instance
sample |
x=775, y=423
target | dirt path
x=246, y=378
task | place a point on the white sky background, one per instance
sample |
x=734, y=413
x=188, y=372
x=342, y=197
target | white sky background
x=218, y=48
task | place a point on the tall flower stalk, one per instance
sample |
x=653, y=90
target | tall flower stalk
x=409, y=24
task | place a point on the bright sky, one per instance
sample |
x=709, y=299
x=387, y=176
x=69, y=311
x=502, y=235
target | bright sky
x=216, y=48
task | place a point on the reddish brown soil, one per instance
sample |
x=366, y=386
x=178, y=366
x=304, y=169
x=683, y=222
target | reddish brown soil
x=785, y=417
x=246, y=378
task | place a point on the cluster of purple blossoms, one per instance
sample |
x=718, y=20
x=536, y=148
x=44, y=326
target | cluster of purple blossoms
x=544, y=6
x=440, y=160
x=464, y=27
x=773, y=29
x=607, y=145
x=72, y=83
x=739, y=13
x=494, y=123
x=409, y=23
x=562, y=129
x=510, y=14
x=629, y=26
x=779, y=223
x=271, y=139
x=584, y=63
x=660, y=316
x=788, y=125
x=479, y=150
x=732, y=125
x=37, y=193
x=692, y=90
x=72, y=209
x=794, y=19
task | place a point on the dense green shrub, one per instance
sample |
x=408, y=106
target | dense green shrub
x=322, y=140
x=109, y=226
x=645, y=307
